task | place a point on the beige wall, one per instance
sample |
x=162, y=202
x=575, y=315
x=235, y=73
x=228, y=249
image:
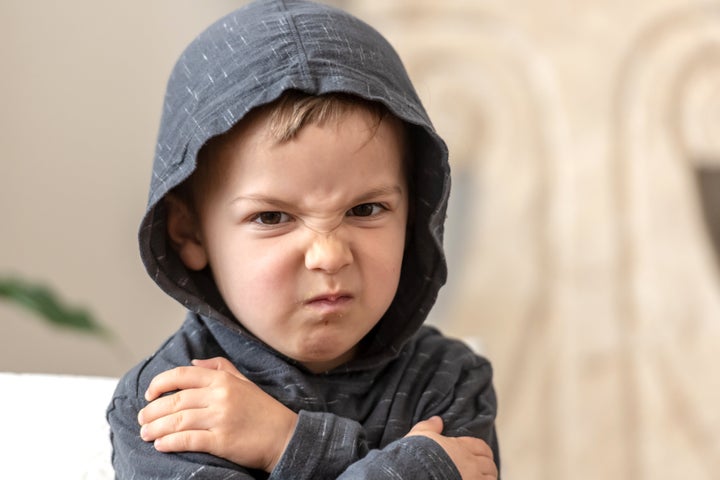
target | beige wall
x=579, y=258
x=82, y=85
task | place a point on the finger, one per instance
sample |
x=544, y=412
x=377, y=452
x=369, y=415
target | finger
x=476, y=446
x=182, y=421
x=218, y=363
x=180, y=400
x=483, y=453
x=179, y=378
x=432, y=424
x=186, y=441
x=490, y=471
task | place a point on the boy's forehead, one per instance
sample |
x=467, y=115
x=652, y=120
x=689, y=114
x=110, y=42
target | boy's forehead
x=285, y=119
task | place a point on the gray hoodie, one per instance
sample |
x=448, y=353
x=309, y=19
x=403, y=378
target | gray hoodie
x=352, y=420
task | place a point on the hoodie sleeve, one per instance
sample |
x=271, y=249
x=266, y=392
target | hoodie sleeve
x=459, y=390
x=331, y=447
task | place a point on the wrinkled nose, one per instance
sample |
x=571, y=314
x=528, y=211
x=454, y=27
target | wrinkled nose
x=328, y=253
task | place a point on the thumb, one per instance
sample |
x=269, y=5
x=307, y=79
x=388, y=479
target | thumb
x=218, y=363
x=431, y=425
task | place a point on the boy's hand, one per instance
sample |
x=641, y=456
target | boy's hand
x=472, y=456
x=215, y=409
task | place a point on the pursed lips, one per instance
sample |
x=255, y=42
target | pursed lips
x=329, y=300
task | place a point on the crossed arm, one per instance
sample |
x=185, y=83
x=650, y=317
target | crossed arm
x=195, y=409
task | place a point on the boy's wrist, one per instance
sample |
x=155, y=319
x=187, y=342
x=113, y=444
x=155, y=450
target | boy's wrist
x=284, y=436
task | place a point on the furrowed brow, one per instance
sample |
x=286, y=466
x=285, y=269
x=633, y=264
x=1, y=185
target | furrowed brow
x=390, y=190
x=276, y=203
x=263, y=200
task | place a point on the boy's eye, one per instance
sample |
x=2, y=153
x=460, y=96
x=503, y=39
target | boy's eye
x=271, y=218
x=365, y=210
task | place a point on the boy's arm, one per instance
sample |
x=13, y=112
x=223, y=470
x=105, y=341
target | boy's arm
x=329, y=446
x=321, y=445
x=134, y=458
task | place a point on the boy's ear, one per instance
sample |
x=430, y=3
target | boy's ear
x=183, y=230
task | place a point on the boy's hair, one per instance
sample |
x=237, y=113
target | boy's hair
x=295, y=109
x=292, y=111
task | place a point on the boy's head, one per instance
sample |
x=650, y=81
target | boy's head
x=298, y=143
x=300, y=211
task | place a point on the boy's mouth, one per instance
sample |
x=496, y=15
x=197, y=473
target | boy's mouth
x=329, y=299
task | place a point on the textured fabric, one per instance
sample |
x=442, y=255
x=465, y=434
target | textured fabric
x=403, y=373
x=350, y=424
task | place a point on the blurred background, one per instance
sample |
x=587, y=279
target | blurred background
x=583, y=233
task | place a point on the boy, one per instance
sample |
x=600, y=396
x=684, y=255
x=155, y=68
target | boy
x=296, y=210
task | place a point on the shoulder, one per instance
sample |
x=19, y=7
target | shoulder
x=191, y=340
x=446, y=370
x=457, y=385
x=431, y=348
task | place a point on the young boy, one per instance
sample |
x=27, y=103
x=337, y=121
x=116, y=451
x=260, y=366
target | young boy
x=296, y=209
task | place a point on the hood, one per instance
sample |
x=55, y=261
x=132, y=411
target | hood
x=249, y=58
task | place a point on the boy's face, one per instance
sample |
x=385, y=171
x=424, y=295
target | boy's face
x=305, y=238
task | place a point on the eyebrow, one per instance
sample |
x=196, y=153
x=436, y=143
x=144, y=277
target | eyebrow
x=283, y=205
x=379, y=192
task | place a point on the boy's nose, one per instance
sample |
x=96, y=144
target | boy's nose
x=328, y=253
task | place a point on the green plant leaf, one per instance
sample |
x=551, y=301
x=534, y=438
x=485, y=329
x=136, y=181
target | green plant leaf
x=45, y=304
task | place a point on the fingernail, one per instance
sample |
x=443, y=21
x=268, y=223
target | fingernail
x=140, y=417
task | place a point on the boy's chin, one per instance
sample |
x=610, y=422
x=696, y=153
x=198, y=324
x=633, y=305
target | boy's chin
x=324, y=363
